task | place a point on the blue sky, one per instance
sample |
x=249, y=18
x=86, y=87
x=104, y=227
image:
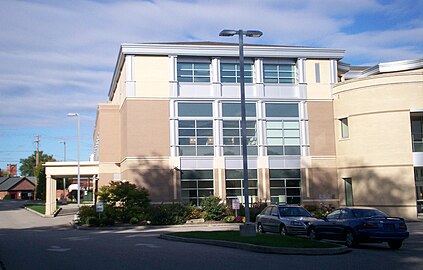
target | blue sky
x=58, y=57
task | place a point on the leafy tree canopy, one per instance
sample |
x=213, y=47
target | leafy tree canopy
x=28, y=164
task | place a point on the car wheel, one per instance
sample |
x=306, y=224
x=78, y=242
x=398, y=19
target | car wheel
x=350, y=239
x=312, y=235
x=395, y=244
x=283, y=230
x=260, y=228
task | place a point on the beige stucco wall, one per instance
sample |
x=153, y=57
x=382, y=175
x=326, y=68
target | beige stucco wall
x=108, y=130
x=120, y=92
x=378, y=153
x=322, y=90
x=145, y=128
x=321, y=129
x=151, y=74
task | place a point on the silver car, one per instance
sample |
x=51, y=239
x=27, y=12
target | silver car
x=284, y=219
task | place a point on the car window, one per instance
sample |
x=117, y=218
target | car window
x=334, y=215
x=366, y=213
x=293, y=212
x=267, y=210
x=344, y=214
x=274, y=211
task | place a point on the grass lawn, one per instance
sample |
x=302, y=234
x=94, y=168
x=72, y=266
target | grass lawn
x=40, y=208
x=272, y=240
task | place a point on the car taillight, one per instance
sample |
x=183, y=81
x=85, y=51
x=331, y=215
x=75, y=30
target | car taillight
x=370, y=225
x=403, y=226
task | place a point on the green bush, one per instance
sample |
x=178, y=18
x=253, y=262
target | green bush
x=213, y=207
x=93, y=221
x=255, y=209
x=127, y=201
x=134, y=220
x=170, y=214
x=85, y=212
x=7, y=197
x=106, y=221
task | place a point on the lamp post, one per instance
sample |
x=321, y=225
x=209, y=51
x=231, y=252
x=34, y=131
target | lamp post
x=241, y=34
x=79, y=169
x=64, y=178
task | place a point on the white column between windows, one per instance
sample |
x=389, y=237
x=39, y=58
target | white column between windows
x=173, y=76
x=301, y=72
x=129, y=76
x=333, y=71
x=173, y=129
x=261, y=130
x=305, y=146
x=217, y=128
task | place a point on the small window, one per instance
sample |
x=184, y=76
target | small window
x=279, y=73
x=195, y=109
x=344, y=128
x=193, y=72
x=317, y=72
x=230, y=73
x=349, y=200
x=234, y=109
x=282, y=110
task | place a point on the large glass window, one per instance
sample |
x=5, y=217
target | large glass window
x=282, y=129
x=235, y=187
x=196, y=185
x=232, y=144
x=279, y=73
x=195, y=129
x=417, y=132
x=229, y=73
x=193, y=72
x=285, y=186
x=195, y=137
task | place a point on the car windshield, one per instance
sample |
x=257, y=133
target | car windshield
x=293, y=212
x=365, y=213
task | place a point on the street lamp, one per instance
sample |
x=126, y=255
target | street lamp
x=79, y=168
x=241, y=34
x=64, y=178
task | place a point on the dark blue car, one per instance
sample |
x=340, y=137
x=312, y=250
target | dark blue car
x=356, y=225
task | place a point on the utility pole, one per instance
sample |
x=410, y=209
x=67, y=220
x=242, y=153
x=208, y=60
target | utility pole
x=37, y=161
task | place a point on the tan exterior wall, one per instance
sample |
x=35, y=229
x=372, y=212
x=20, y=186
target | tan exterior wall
x=152, y=76
x=323, y=89
x=2, y=194
x=145, y=128
x=154, y=174
x=108, y=130
x=321, y=129
x=377, y=155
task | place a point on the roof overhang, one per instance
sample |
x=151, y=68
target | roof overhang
x=70, y=169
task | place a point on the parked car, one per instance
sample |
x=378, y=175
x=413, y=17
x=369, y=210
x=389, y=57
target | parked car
x=419, y=206
x=284, y=219
x=356, y=225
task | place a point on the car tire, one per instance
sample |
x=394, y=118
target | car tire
x=350, y=239
x=283, y=231
x=313, y=235
x=395, y=244
x=260, y=228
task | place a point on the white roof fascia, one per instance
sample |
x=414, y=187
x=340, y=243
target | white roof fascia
x=393, y=67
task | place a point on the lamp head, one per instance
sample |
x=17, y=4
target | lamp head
x=72, y=114
x=228, y=33
x=253, y=33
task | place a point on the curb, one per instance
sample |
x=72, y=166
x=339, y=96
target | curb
x=143, y=227
x=261, y=249
x=35, y=212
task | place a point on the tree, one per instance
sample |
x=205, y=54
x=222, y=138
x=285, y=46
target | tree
x=28, y=164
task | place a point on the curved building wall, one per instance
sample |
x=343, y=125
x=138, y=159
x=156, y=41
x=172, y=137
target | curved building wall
x=373, y=140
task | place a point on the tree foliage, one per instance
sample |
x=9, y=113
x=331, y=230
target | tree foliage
x=214, y=208
x=27, y=167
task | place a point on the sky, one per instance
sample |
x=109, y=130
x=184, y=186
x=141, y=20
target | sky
x=58, y=57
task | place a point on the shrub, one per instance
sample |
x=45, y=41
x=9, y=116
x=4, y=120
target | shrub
x=134, y=220
x=93, y=221
x=170, y=214
x=85, y=212
x=106, y=221
x=213, y=207
x=7, y=197
x=127, y=199
x=229, y=219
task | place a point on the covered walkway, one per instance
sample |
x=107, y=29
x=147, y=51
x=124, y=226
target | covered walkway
x=54, y=170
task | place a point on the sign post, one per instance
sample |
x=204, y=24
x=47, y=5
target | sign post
x=235, y=206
